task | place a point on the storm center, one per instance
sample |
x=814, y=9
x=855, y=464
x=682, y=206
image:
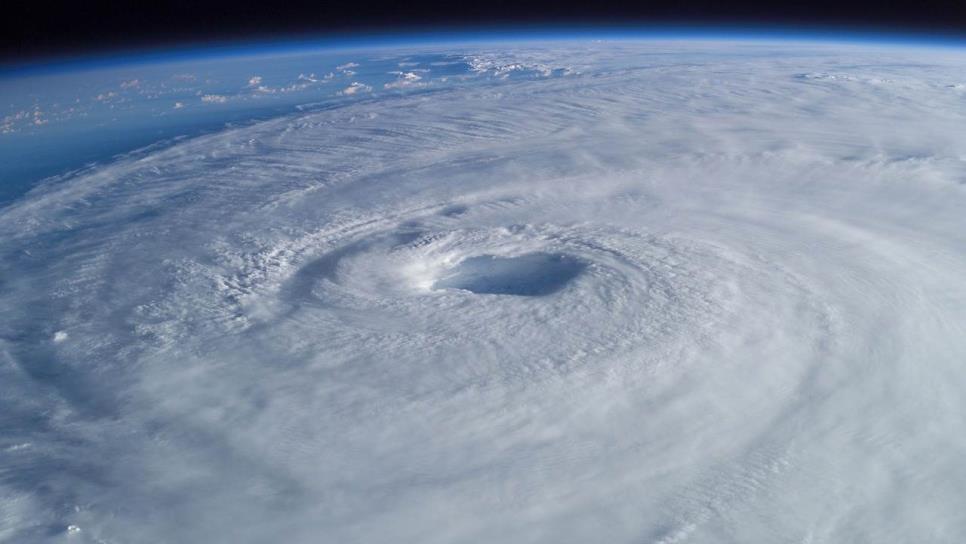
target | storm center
x=532, y=274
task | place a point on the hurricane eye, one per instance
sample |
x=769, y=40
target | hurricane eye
x=530, y=275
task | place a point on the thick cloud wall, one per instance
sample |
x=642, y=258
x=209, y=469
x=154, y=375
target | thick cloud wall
x=710, y=294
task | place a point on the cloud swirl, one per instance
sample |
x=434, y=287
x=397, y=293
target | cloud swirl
x=683, y=294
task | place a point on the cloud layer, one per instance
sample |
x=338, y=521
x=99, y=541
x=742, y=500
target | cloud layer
x=699, y=293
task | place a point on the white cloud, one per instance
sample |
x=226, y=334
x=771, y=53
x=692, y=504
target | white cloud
x=254, y=81
x=503, y=66
x=662, y=302
x=356, y=87
x=404, y=80
x=214, y=98
x=22, y=118
x=38, y=118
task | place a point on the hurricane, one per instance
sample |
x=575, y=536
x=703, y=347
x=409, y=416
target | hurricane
x=652, y=291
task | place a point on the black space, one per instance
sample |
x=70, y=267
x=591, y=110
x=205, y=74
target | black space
x=40, y=28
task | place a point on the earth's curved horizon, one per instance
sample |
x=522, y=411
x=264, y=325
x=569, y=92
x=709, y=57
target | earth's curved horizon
x=554, y=290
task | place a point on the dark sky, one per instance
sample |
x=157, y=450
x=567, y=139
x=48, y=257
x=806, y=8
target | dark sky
x=37, y=28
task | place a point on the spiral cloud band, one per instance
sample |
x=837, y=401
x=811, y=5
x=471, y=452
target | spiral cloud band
x=671, y=293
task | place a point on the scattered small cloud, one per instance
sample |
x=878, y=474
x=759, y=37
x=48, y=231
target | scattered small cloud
x=404, y=80
x=131, y=83
x=38, y=118
x=354, y=88
x=21, y=119
x=346, y=66
x=254, y=81
x=178, y=105
x=214, y=98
